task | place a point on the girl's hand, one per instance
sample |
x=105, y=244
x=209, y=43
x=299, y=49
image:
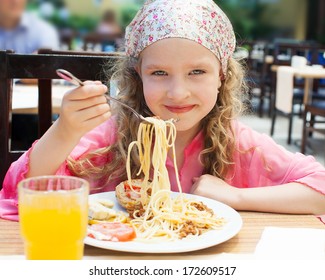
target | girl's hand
x=83, y=109
x=294, y=198
x=215, y=188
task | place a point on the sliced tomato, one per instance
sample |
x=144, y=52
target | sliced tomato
x=133, y=193
x=128, y=188
x=114, y=231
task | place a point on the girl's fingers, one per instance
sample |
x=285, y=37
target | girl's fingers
x=78, y=126
x=95, y=121
x=92, y=112
x=92, y=82
x=87, y=119
x=81, y=104
x=194, y=179
x=85, y=107
x=89, y=90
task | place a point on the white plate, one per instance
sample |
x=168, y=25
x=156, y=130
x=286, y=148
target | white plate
x=208, y=239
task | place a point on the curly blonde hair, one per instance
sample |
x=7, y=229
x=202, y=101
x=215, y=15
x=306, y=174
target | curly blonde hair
x=219, y=141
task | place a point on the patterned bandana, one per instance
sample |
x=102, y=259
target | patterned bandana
x=201, y=21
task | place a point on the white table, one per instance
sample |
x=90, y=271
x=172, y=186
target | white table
x=25, y=98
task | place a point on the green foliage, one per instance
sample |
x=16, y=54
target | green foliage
x=127, y=13
x=36, y=3
x=75, y=22
x=247, y=19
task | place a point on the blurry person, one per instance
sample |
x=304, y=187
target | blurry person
x=24, y=32
x=109, y=24
x=107, y=34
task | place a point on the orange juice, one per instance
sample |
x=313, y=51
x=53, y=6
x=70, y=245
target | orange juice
x=53, y=223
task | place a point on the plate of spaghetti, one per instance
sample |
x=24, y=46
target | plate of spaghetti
x=160, y=221
x=228, y=224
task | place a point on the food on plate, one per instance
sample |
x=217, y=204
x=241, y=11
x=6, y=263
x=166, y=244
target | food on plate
x=98, y=211
x=158, y=215
x=104, y=223
x=154, y=214
x=105, y=202
x=129, y=196
x=101, y=210
x=112, y=231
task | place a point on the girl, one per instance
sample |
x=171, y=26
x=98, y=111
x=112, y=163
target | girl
x=178, y=65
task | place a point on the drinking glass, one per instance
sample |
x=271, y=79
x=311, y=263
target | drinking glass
x=53, y=215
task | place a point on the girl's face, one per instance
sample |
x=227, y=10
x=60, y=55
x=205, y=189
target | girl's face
x=181, y=79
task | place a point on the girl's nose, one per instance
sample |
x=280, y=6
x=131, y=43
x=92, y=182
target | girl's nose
x=178, y=89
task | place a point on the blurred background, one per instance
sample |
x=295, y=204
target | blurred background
x=296, y=20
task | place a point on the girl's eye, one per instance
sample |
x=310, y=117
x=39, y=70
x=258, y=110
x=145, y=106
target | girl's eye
x=197, y=72
x=159, y=73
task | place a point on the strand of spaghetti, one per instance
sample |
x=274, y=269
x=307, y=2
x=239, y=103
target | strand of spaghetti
x=144, y=157
x=173, y=133
x=146, y=137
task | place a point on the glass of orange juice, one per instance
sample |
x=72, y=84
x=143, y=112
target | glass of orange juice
x=53, y=215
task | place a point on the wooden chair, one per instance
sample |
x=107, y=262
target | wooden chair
x=312, y=113
x=43, y=68
x=319, y=59
x=258, y=68
x=283, y=52
x=67, y=36
x=106, y=42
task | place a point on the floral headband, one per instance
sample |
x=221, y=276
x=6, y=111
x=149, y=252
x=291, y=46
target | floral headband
x=201, y=21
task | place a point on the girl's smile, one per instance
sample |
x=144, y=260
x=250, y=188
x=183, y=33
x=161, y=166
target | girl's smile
x=180, y=109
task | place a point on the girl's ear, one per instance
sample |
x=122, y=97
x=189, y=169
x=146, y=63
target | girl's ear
x=221, y=78
x=138, y=70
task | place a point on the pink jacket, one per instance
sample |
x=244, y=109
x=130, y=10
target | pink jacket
x=259, y=162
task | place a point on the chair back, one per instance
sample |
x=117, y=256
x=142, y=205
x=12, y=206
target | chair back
x=95, y=41
x=42, y=66
x=257, y=69
x=284, y=89
x=283, y=52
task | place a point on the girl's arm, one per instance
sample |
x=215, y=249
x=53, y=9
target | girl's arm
x=82, y=109
x=294, y=198
x=287, y=198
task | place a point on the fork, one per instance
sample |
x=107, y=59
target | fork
x=66, y=75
